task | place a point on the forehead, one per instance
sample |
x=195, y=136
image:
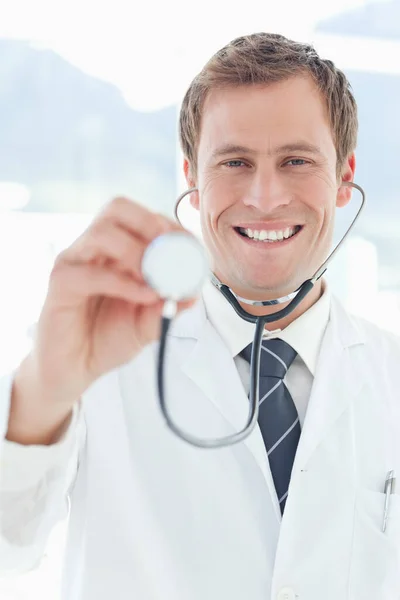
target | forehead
x=264, y=116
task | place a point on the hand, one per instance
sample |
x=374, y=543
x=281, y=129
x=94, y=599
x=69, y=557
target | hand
x=99, y=312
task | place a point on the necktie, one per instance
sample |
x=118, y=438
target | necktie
x=278, y=419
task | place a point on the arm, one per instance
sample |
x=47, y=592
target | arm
x=34, y=483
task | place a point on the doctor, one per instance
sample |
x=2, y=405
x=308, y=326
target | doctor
x=268, y=131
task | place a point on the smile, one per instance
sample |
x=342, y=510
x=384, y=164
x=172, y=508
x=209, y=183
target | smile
x=271, y=236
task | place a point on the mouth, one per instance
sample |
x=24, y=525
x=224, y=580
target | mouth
x=269, y=238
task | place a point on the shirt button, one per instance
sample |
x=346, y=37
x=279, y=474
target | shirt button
x=286, y=593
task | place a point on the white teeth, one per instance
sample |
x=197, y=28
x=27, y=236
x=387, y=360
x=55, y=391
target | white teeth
x=271, y=236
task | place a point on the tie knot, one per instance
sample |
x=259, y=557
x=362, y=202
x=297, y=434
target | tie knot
x=276, y=357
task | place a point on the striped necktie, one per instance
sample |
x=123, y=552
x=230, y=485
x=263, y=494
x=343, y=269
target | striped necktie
x=278, y=419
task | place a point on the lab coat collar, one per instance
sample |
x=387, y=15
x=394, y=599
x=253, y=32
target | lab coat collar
x=304, y=334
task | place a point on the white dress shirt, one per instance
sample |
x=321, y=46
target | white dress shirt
x=305, y=335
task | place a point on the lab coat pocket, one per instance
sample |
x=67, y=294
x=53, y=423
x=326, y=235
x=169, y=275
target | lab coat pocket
x=375, y=566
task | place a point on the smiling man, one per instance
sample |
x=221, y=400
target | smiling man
x=268, y=176
x=304, y=507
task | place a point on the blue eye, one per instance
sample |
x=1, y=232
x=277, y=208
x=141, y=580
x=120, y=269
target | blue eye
x=234, y=163
x=297, y=162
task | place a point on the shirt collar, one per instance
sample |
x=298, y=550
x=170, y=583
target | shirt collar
x=304, y=334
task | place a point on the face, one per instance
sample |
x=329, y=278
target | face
x=268, y=185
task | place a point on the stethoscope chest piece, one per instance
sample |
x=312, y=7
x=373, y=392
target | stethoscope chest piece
x=175, y=265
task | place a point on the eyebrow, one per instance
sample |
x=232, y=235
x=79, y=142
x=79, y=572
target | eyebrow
x=285, y=149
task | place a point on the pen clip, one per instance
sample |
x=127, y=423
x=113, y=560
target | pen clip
x=388, y=491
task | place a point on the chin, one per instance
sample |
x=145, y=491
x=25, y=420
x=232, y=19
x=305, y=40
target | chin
x=268, y=289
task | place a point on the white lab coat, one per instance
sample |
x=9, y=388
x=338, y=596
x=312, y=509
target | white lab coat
x=153, y=518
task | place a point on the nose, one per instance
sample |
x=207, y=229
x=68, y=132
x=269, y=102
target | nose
x=267, y=190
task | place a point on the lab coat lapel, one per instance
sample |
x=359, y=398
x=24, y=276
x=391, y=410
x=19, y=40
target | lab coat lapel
x=211, y=368
x=337, y=382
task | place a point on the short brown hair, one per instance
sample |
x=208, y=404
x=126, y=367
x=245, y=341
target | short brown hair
x=263, y=58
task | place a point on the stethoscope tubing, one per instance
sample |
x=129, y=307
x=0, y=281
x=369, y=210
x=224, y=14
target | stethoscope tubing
x=260, y=321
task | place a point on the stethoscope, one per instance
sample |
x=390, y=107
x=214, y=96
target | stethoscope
x=175, y=265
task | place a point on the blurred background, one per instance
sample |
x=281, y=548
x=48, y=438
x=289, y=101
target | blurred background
x=89, y=100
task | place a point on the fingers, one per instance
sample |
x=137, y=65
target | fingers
x=79, y=282
x=119, y=236
x=137, y=219
x=108, y=243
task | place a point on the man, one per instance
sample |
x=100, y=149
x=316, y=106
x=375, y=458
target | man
x=268, y=131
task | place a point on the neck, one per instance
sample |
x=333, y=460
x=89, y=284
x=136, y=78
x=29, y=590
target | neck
x=312, y=297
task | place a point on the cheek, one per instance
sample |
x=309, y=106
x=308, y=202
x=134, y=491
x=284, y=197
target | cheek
x=322, y=195
x=215, y=198
x=212, y=208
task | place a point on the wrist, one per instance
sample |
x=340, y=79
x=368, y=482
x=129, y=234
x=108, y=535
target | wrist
x=36, y=416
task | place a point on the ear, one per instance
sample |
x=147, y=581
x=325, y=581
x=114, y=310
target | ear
x=347, y=174
x=187, y=169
